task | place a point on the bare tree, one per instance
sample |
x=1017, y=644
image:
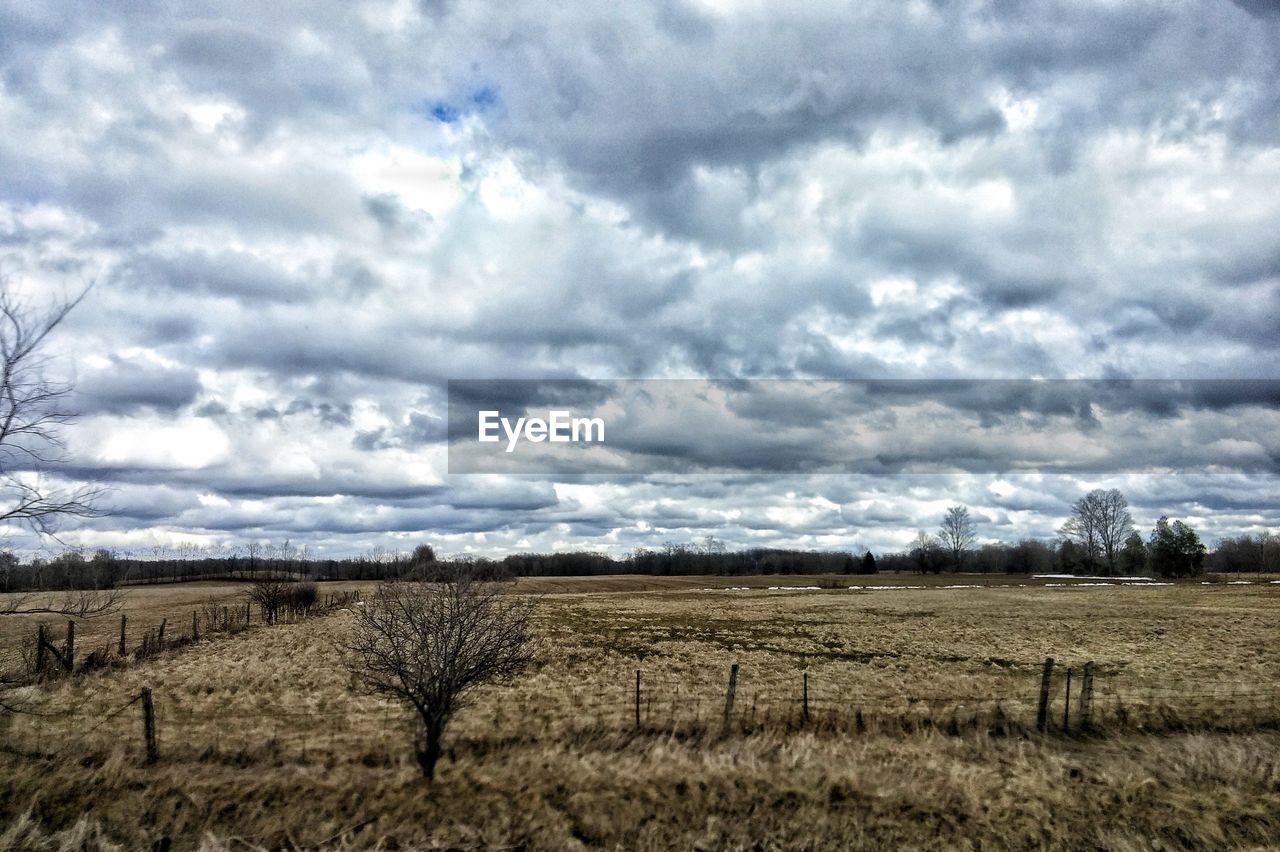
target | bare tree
x=957, y=533
x=430, y=644
x=1100, y=522
x=32, y=409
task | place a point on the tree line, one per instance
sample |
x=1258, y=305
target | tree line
x=1099, y=539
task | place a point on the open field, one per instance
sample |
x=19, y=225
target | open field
x=147, y=605
x=920, y=734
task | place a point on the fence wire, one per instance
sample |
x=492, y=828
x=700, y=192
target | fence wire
x=358, y=729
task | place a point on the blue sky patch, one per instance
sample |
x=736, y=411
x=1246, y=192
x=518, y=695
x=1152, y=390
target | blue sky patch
x=445, y=113
x=485, y=97
x=478, y=101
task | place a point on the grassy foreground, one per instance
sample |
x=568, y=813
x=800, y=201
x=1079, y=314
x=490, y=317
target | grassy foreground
x=792, y=792
x=264, y=745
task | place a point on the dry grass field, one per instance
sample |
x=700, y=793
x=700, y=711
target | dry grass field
x=920, y=731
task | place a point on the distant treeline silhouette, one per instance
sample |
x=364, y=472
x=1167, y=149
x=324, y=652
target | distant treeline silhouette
x=104, y=569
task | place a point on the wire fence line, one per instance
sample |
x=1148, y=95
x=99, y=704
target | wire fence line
x=639, y=701
x=45, y=655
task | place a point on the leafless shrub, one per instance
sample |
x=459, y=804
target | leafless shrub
x=276, y=597
x=102, y=657
x=429, y=644
x=27, y=651
x=211, y=616
x=271, y=596
x=301, y=598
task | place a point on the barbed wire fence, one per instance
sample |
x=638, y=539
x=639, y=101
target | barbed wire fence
x=43, y=658
x=1071, y=701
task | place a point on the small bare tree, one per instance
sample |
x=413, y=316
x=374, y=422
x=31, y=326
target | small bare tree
x=430, y=644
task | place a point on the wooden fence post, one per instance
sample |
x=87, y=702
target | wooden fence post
x=70, y=652
x=195, y=626
x=40, y=649
x=1086, y=695
x=124, y=619
x=637, y=698
x=160, y=635
x=806, y=698
x=149, y=725
x=728, y=698
x=1042, y=714
x=1066, y=705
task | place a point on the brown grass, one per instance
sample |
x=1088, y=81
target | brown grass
x=264, y=745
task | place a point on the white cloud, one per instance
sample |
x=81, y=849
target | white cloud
x=188, y=446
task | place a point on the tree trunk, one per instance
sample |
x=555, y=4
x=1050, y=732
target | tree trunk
x=429, y=750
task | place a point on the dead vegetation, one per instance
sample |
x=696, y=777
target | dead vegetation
x=265, y=743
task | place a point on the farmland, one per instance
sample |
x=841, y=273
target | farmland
x=919, y=730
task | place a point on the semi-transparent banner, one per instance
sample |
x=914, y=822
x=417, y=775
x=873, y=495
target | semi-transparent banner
x=647, y=426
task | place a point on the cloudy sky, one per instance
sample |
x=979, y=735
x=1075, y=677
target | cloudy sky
x=301, y=220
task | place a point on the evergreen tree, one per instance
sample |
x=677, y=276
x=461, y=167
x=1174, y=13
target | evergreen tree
x=1175, y=550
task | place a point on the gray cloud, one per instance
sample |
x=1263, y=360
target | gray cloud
x=322, y=215
x=122, y=385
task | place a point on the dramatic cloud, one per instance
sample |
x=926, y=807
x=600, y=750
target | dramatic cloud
x=300, y=224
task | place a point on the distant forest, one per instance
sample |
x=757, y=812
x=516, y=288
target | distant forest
x=104, y=569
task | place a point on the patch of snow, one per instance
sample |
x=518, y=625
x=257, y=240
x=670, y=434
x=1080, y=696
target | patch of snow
x=1079, y=585
x=1084, y=577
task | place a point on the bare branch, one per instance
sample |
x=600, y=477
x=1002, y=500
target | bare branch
x=32, y=409
x=81, y=604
